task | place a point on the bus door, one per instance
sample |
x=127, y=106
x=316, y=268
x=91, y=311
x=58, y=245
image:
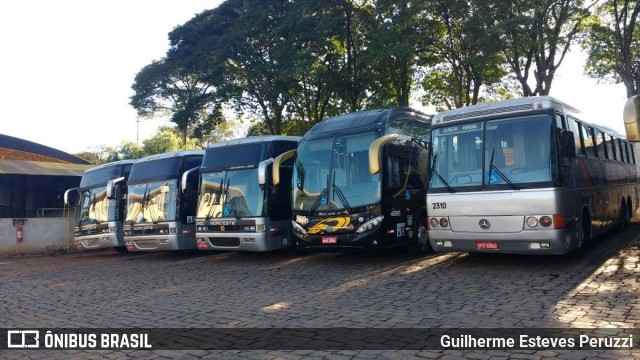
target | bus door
x=405, y=191
x=187, y=208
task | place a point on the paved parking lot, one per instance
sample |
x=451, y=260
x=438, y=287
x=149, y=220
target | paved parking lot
x=326, y=290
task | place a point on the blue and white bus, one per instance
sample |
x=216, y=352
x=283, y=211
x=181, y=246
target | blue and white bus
x=161, y=202
x=526, y=176
x=239, y=207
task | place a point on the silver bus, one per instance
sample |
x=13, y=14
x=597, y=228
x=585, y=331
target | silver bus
x=161, y=202
x=101, y=199
x=526, y=176
x=239, y=208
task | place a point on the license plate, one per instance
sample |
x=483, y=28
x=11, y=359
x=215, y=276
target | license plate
x=487, y=245
x=329, y=240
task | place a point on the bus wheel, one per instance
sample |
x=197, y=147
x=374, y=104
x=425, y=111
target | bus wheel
x=584, y=236
x=421, y=245
x=624, y=217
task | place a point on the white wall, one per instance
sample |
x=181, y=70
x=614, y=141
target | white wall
x=40, y=236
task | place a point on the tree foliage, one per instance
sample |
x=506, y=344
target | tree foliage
x=286, y=65
x=612, y=43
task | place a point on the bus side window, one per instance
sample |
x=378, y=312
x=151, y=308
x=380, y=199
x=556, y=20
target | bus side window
x=602, y=153
x=573, y=127
x=633, y=155
x=621, y=147
x=588, y=141
x=611, y=147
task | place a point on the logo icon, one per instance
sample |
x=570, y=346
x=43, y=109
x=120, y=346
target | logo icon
x=21, y=339
x=222, y=228
x=484, y=224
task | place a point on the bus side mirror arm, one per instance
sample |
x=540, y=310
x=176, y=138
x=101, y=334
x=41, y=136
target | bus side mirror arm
x=262, y=172
x=111, y=186
x=185, y=176
x=631, y=115
x=275, y=173
x=374, y=152
x=66, y=194
x=568, y=144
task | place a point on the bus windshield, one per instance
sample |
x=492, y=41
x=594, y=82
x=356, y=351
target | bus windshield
x=152, y=202
x=508, y=151
x=333, y=174
x=234, y=193
x=95, y=207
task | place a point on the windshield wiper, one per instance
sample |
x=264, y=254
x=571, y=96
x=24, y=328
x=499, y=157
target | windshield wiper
x=503, y=176
x=226, y=196
x=337, y=190
x=435, y=172
x=317, y=202
x=215, y=200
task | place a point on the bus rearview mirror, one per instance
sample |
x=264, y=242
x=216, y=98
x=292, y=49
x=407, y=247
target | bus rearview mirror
x=568, y=144
x=631, y=116
x=111, y=187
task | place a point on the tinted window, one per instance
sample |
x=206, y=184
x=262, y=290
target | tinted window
x=600, y=145
x=100, y=177
x=573, y=127
x=588, y=141
x=611, y=148
x=168, y=168
x=192, y=161
x=280, y=147
x=622, y=152
x=225, y=157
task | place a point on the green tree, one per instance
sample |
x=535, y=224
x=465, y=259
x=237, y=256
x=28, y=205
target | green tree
x=613, y=44
x=536, y=36
x=468, y=55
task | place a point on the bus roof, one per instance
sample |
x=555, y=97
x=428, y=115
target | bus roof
x=362, y=120
x=111, y=164
x=255, y=139
x=167, y=155
x=511, y=106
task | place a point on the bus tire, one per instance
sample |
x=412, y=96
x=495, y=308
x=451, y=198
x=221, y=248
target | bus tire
x=421, y=245
x=584, y=235
x=624, y=217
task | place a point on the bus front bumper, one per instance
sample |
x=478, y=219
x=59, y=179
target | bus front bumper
x=553, y=242
x=233, y=241
x=97, y=241
x=153, y=243
x=367, y=240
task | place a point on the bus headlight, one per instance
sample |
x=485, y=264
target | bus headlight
x=369, y=225
x=545, y=221
x=532, y=222
x=251, y=228
x=298, y=228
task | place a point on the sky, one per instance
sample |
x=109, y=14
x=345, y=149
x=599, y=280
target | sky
x=67, y=66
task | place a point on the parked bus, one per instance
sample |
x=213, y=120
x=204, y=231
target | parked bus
x=239, y=208
x=526, y=176
x=161, y=203
x=359, y=181
x=100, y=199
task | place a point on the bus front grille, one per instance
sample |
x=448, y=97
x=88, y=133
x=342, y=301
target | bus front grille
x=225, y=241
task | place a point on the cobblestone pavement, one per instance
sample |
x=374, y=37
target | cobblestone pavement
x=601, y=288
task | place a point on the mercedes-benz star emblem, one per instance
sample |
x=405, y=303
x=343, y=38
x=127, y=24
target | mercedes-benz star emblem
x=484, y=224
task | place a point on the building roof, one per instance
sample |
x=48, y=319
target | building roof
x=18, y=156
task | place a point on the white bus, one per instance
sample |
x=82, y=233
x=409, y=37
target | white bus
x=526, y=176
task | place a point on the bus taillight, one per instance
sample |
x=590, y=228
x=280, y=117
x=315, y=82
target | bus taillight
x=558, y=221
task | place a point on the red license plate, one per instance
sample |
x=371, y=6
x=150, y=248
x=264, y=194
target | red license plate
x=487, y=245
x=329, y=240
